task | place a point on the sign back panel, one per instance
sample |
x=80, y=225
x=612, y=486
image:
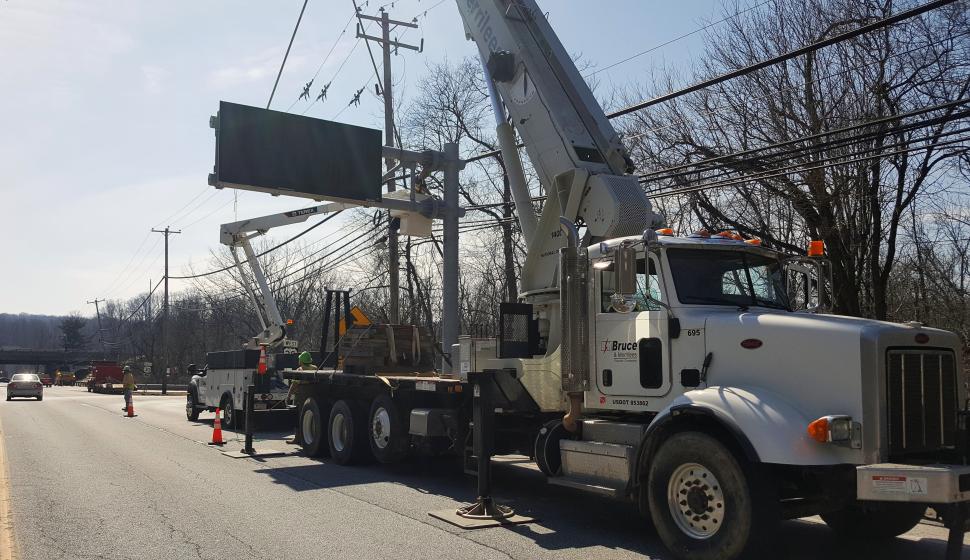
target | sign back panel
x=285, y=154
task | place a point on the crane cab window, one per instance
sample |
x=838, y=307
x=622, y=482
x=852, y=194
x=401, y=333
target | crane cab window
x=647, y=284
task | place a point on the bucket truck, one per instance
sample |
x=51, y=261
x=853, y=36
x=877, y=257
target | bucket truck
x=701, y=376
x=223, y=381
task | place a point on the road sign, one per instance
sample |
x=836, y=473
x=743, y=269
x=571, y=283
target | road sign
x=360, y=319
x=286, y=154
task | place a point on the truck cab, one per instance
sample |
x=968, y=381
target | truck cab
x=709, y=358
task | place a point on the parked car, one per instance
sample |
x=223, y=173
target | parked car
x=47, y=380
x=25, y=385
x=4, y=379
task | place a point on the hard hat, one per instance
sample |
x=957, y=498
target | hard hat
x=306, y=358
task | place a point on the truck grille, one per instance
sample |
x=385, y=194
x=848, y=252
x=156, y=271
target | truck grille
x=922, y=400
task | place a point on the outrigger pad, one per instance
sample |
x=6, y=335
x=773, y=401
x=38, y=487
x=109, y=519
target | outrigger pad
x=483, y=513
x=257, y=453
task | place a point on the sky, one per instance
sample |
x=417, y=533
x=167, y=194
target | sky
x=105, y=105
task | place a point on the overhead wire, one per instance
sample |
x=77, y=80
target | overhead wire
x=675, y=39
x=266, y=252
x=861, y=30
x=287, y=54
x=812, y=47
x=327, y=57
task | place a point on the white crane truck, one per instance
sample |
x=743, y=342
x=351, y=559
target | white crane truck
x=700, y=376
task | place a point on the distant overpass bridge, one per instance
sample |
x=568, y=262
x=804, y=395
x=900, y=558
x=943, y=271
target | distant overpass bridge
x=27, y=356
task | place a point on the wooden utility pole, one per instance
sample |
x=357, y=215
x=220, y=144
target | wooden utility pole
x=97, y=310
x=166, y=232
x=385, y=90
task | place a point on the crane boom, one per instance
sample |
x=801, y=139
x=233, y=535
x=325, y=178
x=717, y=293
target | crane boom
x=578, y=156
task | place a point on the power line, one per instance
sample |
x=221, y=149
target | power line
x=675, y=39
x=885, y=22
x=719, y=109
x=287, y=54
x=669, y=172
x=772, y=173
x=327, y=57
x=266, y=252
x=796, y=166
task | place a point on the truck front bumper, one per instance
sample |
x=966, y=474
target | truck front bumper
x=930, y=484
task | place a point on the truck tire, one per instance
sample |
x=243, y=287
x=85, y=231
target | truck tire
x=702, y=504
x=387, y=430
x=347, y=433
x=548, y=457
x=879, y=520
x=312, y=429
x=191, y=406
x=229, y=417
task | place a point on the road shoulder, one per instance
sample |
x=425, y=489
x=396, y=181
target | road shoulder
x=8, y=545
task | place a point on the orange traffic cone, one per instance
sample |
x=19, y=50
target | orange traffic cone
x=261, y=367
x=217, y=430
x=131, y=410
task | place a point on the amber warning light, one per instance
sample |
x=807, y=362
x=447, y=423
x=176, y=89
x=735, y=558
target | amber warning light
x=816, y=248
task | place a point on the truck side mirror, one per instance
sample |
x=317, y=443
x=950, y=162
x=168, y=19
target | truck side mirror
x=625, y=268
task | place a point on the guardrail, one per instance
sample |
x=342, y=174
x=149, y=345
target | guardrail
x=145, y=386
x=158, y=387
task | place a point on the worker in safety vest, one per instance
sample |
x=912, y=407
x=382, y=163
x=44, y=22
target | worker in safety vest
x=128, y=382
x=306, y=364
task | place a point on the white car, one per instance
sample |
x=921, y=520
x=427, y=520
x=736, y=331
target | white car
x=25, y=385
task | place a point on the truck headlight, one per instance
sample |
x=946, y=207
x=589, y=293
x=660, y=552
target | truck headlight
x=838, y=429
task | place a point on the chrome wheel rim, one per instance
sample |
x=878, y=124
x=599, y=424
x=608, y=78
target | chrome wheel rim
x=309, y=427
x=381, y=428
x=338, y=432
x=696, y=500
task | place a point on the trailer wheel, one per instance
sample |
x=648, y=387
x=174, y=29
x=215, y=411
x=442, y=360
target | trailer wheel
x=702, y=504
x=388, y=430
x=191, y=406
x=347, y=431
x=312, y=430
x=548, y=457
x=883, y=520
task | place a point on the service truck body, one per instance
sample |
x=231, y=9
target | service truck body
x=223, y=383
x=105, y=377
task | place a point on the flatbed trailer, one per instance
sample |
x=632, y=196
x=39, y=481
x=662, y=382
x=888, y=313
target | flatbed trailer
x=354, y=417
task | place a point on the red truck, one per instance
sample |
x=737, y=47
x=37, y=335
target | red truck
x=105, y=377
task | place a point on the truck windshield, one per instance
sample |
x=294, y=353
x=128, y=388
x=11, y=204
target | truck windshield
x=740, y=278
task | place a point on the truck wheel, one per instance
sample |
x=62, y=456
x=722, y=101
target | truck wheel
x=312, y=429
x=702, y=504
x=548, y=457
x=347, y=431
x=877, y=520
x=388, y=430
x=229, y=416
x=191, y=407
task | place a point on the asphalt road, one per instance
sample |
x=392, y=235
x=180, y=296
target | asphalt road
x=85, y=482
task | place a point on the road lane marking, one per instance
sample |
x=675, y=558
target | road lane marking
x=8, y=547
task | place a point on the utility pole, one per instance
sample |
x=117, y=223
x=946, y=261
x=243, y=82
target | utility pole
x=386, y=91
x=166, y=232
x=97, y=310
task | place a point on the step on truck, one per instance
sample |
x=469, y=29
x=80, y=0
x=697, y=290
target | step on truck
x=700, y=376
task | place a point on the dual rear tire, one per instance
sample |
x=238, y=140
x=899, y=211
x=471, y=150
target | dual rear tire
x=350, y=434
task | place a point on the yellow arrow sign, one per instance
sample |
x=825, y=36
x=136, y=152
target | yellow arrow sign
x=360, y=319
